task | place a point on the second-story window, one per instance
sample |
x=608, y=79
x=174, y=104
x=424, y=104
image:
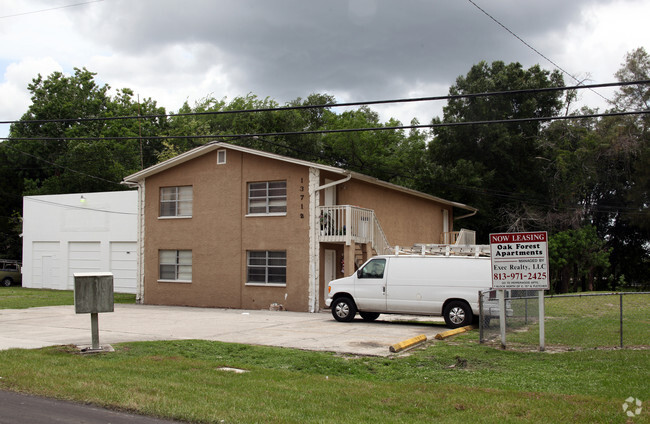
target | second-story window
x=176, y=201
x=269, y=197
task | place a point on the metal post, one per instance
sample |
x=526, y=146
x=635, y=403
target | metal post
x=94, y=324
x=526, y=309
x=621, y=315
x=502, y=316
x=481, y=316
x=542, y=340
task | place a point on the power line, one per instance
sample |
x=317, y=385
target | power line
x=50, y=9
x=85, y=208
x=479, y=191
x=341, y=130
x=532, y=48
x=333, y=105
x=58, y=166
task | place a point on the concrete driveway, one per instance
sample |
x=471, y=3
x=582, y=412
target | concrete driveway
x=57, y=325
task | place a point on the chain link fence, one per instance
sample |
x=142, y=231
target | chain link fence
x=522, y=311
x=573, y=321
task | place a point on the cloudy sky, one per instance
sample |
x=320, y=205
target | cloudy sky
x=183, y=50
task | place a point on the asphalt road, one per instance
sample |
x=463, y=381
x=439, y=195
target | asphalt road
x=18, y=408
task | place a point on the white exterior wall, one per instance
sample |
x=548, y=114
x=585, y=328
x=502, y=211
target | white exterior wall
x=62, y=235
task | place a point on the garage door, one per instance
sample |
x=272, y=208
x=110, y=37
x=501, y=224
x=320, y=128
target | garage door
x=83, y=257
x=124, y=265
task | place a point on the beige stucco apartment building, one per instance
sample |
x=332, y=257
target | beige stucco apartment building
x=232, y=227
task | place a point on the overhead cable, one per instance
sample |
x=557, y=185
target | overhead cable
x=341, y=130
x=333, y=105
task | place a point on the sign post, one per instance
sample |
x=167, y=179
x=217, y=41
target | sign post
x=520, y=262
x=93, y=293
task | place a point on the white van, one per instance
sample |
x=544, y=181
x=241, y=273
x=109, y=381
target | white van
x=445, y=286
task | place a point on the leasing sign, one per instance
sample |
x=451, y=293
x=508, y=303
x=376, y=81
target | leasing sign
x=519, y=261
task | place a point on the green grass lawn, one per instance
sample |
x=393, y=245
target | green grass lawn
x=444, y=382
x=21, y=297
x=457, y=380
x=590, y=322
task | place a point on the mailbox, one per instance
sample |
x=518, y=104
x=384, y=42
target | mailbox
x=93, y=292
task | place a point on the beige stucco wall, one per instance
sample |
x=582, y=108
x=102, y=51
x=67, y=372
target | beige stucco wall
x=405, y=219
x=219, y=234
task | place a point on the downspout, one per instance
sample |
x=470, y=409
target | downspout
x=466, y=215
x=139, y=296
x=333, y=183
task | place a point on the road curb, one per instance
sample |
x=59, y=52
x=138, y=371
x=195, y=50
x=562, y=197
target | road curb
x=397, y=347
x=450, y=333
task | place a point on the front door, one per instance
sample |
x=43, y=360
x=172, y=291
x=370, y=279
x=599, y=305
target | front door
x=330, y=194
x=330, y=269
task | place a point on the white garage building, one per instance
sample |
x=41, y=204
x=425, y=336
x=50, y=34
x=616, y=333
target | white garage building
x=82, y=232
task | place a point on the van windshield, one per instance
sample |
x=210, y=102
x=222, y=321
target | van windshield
x=373, y=269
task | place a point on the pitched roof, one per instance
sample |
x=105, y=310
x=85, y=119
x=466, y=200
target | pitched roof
x=136, y=178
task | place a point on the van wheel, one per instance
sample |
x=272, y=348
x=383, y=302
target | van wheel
x=369, y=316
x=344, y=309
x=458, y=314
x=7, y=282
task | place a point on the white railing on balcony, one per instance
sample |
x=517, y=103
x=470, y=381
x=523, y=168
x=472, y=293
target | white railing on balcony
x=462, y=237
x=345, y=223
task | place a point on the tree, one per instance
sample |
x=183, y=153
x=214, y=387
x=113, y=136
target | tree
x=624, y=211
x=63, y=146
x=576, y=257
x=494, y=167
x=570, y=158
x=67, y=142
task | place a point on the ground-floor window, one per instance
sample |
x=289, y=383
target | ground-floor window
x=266, y=267
x=175, y=265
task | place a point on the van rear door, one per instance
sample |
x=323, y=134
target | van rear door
x=370, y=286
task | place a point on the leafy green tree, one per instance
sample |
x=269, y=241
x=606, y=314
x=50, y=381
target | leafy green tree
x=576, y=257
x=219, y=118
x=570, y=157
x=62, y=146
x=67, y=141
x=624, y=186
x=494, y=167
x=387, y=154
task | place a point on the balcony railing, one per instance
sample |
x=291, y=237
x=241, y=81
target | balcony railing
x=462, y=237
x=345, y=223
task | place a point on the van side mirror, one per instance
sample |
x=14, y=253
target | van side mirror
x=359, y=273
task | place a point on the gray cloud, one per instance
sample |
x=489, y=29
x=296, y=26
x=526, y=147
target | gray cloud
x=292, y=47
x=357, y=49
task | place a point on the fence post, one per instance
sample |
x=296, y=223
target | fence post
x=542, y=313
x=501, y=297
x=621, y=302
x=481, y=316
x=526, y=309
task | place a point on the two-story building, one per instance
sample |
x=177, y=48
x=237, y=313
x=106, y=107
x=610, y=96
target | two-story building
x=232, y=227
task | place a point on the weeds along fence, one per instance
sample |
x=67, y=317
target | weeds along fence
x=585, y=320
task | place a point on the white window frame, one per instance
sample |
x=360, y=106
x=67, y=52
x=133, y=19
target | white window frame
x=221, y=157
x=269, y=260
x=179, y=261
x=268, y=200
x=180, y=201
